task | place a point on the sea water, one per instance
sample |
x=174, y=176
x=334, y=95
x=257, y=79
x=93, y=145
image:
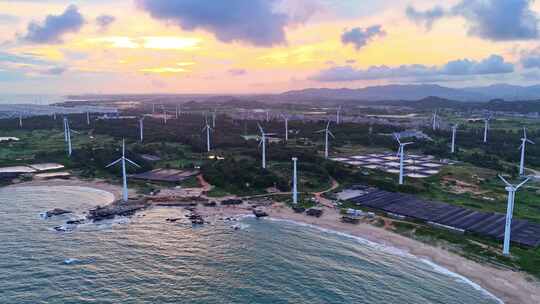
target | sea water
x=145, y=259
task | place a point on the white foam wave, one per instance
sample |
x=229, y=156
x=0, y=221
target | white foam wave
x=398, y=252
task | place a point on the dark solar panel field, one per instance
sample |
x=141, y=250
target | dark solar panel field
x=483, y=223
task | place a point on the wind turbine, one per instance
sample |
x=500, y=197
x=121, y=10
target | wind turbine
x=267, y=116
x=486, y=128
x=88, y=118
x=67, y=134
x=327, y=133
x=164, y=114
x=153, y=108
x=524, y=142
x=20, y=120
x=454, y=131
x=434, y=120
x=123, y=160
x=509, y=212
x=141, y=128
x=214, y=118
x=286, y=119
x=263, y=143
x=401, y=153
x=176, y=115
x=207, y=128
x=54, y=115
x=338, y=115
x=295, y=181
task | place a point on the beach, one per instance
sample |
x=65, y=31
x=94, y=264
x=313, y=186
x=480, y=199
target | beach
x=509, y=286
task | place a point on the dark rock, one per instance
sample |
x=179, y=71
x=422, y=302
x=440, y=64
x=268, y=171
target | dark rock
x=172, y=220
x=56, y=212
x=299, y=209
x=76, y=222
x=210, y=204
x=230, y=202
x=259, y=213
x=316, y=212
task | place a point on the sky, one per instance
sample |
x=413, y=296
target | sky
x=263, y=46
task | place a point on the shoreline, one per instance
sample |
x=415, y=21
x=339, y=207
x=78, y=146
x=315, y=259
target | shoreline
x=509, y=286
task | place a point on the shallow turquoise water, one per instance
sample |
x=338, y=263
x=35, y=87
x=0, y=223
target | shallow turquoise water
x=147, y=260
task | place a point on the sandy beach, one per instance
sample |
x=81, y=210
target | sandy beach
x=509, y=286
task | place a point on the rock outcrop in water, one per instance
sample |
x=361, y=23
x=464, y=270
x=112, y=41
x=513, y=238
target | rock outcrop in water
x=117, y=208
x=55, y=212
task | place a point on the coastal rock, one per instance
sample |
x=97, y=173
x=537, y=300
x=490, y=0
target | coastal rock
x=259, y=213
x=56, y=212
x=117, y=208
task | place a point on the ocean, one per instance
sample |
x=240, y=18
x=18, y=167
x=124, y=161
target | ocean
x=145, y=259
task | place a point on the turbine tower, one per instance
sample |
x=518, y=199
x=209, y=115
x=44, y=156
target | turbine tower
x=434, y=120
x=486, y=128
x=68, y=136
x=338, y=115
x=263, y=144
x=141, y=129
x=267, y=116
x=65, y=130
x=327, y=133
x=509, y=212
x=454, y=131
x=123, y=160
x=20, y=120
x=207, y=128
x=286, y=119
x=524, y=142
x=88, y=118
x=401, y=154
x=164, y=115
x=295, y=181
x=176, y=112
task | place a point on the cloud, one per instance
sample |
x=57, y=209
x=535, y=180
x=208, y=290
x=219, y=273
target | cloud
x=497, y=20
x=237, y=72
x=55, y=71
x=254, y=22
x=8, y=19
x=104, y=21
x=23, y=59
x=493, y=64
x=360, y=37
x=55, y=26
x=425, y=18
x=531, y=59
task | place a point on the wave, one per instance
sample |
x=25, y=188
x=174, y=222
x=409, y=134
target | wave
x=395, y=251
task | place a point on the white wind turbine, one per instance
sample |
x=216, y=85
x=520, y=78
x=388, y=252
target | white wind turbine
x=486, y=128
x=454, y=131
x=327, y=133
x=208, y=129
x=286, y=119
x=141, y=129
x=164, y=114
x=88, y=118
x=20, y=120
x=267, y=116
x=295, y=181
x=524, y=142
x=262, y=143
x=176, y=112
x=509, y=212
x=401, y=154
x=338, y=115
x=123, y=160
x=214, y=119
x=67, y=135
x=434, y=120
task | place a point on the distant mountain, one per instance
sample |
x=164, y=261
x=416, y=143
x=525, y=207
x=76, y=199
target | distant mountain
x=416, y=92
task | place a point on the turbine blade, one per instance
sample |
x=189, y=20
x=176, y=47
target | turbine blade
x=523, y=183
x=113, y=163
x=331, y=134
x=505, y=181
x=132, y=162
x=530, y=141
